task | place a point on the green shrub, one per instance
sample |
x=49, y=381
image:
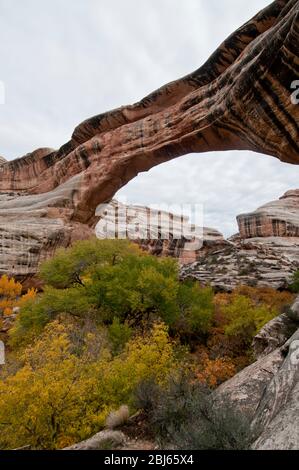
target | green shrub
x=183, y=416
x=215, y=429
x=117, y=282
x=294, y=286
x=196, y=308
x=36, y=313
x=119, y=334
x=70, y=266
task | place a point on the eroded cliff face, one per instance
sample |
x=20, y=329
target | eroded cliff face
x=31, y=231
x=239, y=96
x=275, y=219
x=158, y=232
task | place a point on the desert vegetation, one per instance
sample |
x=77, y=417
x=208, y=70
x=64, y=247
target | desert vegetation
x=114, y=327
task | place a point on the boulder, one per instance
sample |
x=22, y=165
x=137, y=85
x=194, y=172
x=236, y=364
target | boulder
x=103, y=440
x=274, y=335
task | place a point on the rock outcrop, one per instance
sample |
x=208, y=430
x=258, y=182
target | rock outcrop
x=265, y=252
x=268, y=390
x=255, y=266
x=274, y=335
x=30, y=231
x=159, y=232
x=103, y=440
x=239, y=96
x=275, y=219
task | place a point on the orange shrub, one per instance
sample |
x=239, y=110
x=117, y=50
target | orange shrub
x=272, y=298
x=213, y=372
x=11, y=295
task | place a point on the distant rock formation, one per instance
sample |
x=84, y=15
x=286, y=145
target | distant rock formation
x=239, y=99
x=241, y=264
x=274, y=219
x=265, y=252
x=159, y=232
x=29, y=236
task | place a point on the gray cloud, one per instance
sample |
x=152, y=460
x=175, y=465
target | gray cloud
x=66, y=60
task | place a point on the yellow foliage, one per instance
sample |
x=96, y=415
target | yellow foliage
x=273, y=299
x=11, y=295
x=144, y=358
x=58, y=397
x=9, y=288
x=243, y=312
x=43, y=396
x=30, y=295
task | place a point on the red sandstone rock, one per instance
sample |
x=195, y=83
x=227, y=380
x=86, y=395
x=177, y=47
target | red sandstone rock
x=239, y=99
x=241, y=95
x=275, y=219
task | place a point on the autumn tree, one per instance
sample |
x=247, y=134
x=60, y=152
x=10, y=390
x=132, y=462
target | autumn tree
x=212, y=372
x=60, y=395
x=244, y=319
x=10, y=293
x=275, y=300
x=113, y=279
x=11, y=296
x=72, y=266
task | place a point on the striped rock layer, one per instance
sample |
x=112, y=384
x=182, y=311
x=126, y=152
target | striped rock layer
x=275, y=219
x=158, y=232
x=239, y=99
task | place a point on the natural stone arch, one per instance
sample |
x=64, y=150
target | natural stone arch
x=239, y=99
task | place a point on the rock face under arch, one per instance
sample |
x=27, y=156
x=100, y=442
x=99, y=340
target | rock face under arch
x=158, y=232
x=239, y=99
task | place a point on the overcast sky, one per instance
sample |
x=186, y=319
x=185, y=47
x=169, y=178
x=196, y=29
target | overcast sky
x=63, y=61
